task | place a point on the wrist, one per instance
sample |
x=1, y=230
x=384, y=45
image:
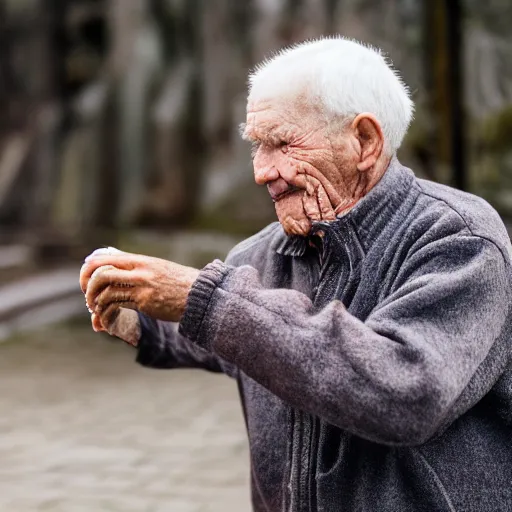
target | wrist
x=189, y=278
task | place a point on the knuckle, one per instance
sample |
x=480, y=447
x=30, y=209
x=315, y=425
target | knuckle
x=125, y=297
x=103, y=298
x=96, y=274
x=106, y=313
x=143, y=296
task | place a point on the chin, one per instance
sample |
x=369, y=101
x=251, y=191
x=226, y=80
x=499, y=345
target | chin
x=290, y=213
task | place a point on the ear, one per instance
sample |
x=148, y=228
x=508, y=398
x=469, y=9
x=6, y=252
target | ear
x=371, y=139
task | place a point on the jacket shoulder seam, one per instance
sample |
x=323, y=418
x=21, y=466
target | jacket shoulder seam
x=452, y=208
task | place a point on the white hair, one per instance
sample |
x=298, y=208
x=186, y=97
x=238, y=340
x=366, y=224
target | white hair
x=345, y=76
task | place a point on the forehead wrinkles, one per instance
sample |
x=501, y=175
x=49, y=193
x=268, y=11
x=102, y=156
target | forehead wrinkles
x=265, y=128
x=271, y=131
x=280, y=119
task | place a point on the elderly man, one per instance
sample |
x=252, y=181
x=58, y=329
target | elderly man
x=368, y=330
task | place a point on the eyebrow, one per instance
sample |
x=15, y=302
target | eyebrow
x=242, y=128
x=273, y=136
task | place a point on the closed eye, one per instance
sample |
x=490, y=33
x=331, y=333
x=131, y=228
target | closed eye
x=279, y=144
x=283, y=146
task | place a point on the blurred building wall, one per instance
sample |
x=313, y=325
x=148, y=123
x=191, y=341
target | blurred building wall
x=125, y=113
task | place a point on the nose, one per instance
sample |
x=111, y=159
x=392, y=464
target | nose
x=264, y=174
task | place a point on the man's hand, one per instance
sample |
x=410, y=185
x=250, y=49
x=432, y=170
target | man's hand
x=113, y=280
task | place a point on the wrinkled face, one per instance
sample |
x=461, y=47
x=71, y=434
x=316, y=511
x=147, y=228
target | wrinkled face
x=307, y=163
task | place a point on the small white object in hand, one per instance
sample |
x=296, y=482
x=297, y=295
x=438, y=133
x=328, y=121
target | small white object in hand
x=103, y=251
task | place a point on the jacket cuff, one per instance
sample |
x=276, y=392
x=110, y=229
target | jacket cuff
x=199, y=300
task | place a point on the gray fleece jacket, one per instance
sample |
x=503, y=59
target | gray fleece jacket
x=374, y=362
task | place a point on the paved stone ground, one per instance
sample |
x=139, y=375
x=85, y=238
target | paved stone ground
x=83, y=428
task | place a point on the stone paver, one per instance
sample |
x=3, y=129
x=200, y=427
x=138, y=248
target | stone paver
x=83, y=428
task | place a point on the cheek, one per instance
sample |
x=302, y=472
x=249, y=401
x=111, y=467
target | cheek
x=311, y=164
x=288, y=167
x=345, y=156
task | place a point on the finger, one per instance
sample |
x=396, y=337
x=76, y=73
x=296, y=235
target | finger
x=103, y=251
x=88, y=307
x=122, y=260
x=112, y=294
x=92, y=265
x=110, y=315
x=106, y=276
x=98, y=282
x=96, y=323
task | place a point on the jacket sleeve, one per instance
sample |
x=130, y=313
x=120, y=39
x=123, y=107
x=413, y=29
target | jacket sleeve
x=430, y=350
x=161, y=346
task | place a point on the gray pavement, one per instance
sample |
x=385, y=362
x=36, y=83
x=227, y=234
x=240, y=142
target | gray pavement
x=85, y=429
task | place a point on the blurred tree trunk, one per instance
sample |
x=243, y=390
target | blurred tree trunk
x=5, y=79
x=50, y=111
x=129, y=73
x=153, y=136
x=30, y=100
x=125, y=19
x=443, y=61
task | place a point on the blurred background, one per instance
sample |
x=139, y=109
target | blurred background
x=119, y=126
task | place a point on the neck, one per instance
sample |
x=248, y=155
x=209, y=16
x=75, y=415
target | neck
x=345, y=207
x=365, y=182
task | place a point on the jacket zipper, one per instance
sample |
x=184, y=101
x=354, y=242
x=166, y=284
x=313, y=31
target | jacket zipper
x=304, y=442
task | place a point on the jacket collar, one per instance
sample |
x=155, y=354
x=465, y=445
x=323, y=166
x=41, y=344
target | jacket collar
x=369, y=216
